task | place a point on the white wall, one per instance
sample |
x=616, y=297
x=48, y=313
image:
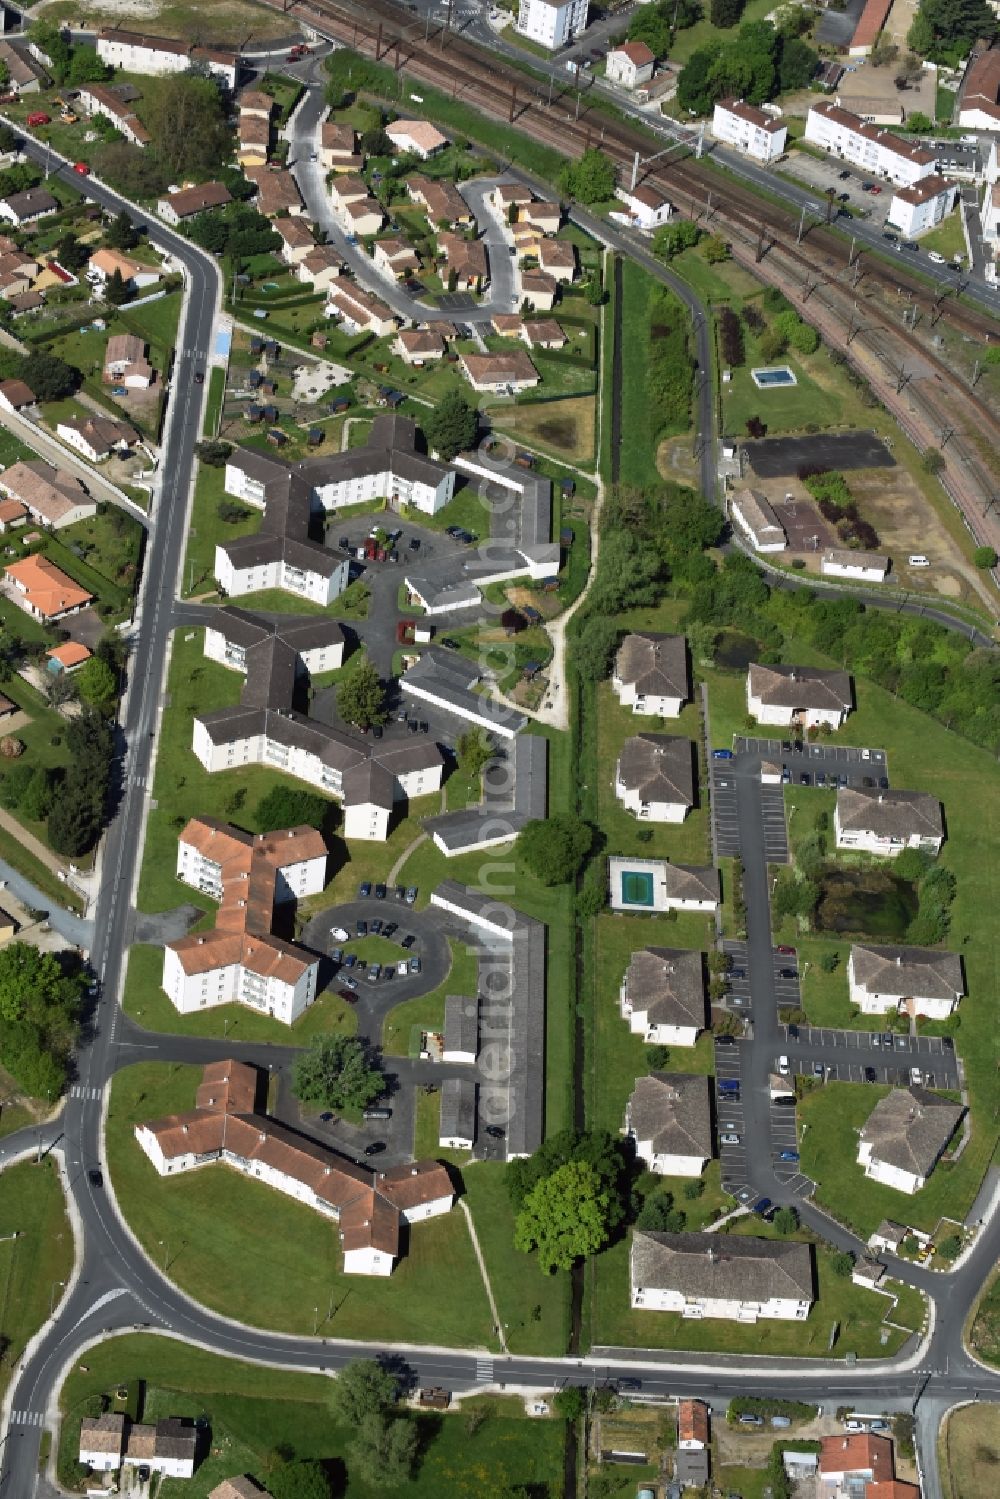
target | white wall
x=763, y=145
x=889, y=1176
x=647, y=704
x=650, y=811
x=367, y=822
x=669, y=1165
x=655, y=1035
x=810, y=717
x=872, y=156
x=653, y=1300
x=551, y=25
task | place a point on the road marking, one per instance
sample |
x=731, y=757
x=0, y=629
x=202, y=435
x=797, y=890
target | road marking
x=100, y=1302
x=26, y=1418
x=80, y=1091
x=484, y=1371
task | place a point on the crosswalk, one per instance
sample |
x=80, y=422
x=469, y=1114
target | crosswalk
x=484, y=1371
x=80, y=1090
x=25, y=1418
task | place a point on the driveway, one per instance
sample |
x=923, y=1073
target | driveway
x=504, y=290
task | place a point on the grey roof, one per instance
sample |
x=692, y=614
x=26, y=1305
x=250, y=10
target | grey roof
x=458, y=1109
x=892, y=1233
x=691, y=1466
x=461, y=1023
x=910, y=1127
x=801, y=687
x=257, y=551
x=691, y=882
x=890, y=814
x=673, y=1111
x=655, y=664
x=35, y=200
x=658, y=767
x=515, y=791
x=522, y=1013
x=451, y=678
x=392, y=444
x=532, y=516
x=668, y=986
x=369, y=782
x=723, y=1266
x=757, y=512
x=916, y=972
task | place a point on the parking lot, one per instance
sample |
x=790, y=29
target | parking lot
x=787, y=994
x=846, y=1055
x=821, y=176
x=772, y=811
x=783, y=457
x=829, y=765
x=785, y=1142
x=738, y=977
x=730, y=1116
x=724, y=812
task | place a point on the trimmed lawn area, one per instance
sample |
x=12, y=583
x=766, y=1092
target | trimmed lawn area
x=787, y=409
x=427, y=1012
x=641, y=428
x=207, y=530
x=255, y=1412
x=985, y=1337
x=203, y=1223
x=216, y=396
x=727, y=705
x=34, y=1258
x=858, y=1313
x=146, y=1002
x=946, y=238
x=969, y=1451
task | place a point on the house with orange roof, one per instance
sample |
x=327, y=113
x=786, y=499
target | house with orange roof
x=67, y=657
x=369, y=1208
x=12, y=515
x=859, y=1455
x=104, y=262
x=692, y=1424
x=241, y=961
x=43, y=590
x=892, y=1488
x=416, y=138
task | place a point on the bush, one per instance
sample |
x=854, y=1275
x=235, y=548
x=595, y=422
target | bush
x=984, y=557
x=730, y=337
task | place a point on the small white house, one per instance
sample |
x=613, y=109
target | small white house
x=758, y=522
x=416, y=138
x=651, y=674
x=916, y=209
x=662, y=996
x=647, y=208
x=905, y=980
x=866, y=567
x=654, y=779
x=669, y=1120
x=905, y=1136
x=886, y=822
x=751, y=130
x=630, y=65
x=803, y=696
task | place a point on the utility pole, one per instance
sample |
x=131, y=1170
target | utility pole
x=946, y=433
x=802, y=220
x=977, y=370
x=854, y=246
x=829, y=205
x=902, y=378
x=513, y=102
x=447, y=24
x=378, y=42
x=855, y=326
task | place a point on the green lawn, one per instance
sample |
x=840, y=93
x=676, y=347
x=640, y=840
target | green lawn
x=255, y=1413
x=36, y=1253
x=204, y=1223
x=985, y=1332
x=146, y=1002
x=216, y=396
x=813, y=400
x=427, y=1012
x=207, y=530
x=640, y=426
x=859, y=1315
x=947, y=238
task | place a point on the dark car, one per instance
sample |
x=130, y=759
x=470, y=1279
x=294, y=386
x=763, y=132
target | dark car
x=787, y=973
x=495, y=1132
x=450, y=644
x=910, y=244
x=337, y=955
x=350, y=960
x=348, y=995
x=818, y=1069
x=892, y=238
x=390, y=928
x=143, y=1472
x=375, y=1148
x=414, y=543
x=400, y=892
x=805, y=779
x=843, y=197
x=883, y=783
x=325, y=1117
x=624, y=1386
x=843, y=781
x=376, y=927
x=785, y=950
x=762, y=1207
x=871, y=1075
x=96, y=1177
x=408, y=940
x=362, y=928
x=199, y=377
x=821, y=778
x=380, y=892
x=366, y=890
x=737, y=973
x=843, y=176
x=786, y=775
x=377, y=731
x=344, y=543
x=788, y=1155
x=868, y=782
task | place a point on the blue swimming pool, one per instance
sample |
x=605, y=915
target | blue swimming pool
x=221, y=344
x=774, y=375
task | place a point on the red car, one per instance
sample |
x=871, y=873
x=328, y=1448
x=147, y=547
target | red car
x=347, y=996
x=786, y=952
x=82, y=168
x=39, y=118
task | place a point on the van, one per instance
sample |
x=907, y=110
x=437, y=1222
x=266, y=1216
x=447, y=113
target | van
x=918, y=560
x=746, y=1420
x=729, y=1085
x=376, y=1113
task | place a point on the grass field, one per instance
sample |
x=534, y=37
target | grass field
x=969, y=1452
x=564, y=428
x=947, y=237
x=36, y=1254
x=427, y=1012
x=985, y=1333
x=201, y=1224
x=216, y=396
x=641, y=427
x=256, y=1413
x=207, y=530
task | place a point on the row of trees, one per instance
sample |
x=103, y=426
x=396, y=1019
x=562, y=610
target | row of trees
x=758, y=63
x=39, y=1014
x=77, y=814
x=946, y=30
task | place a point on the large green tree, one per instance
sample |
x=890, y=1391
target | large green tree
x=941, y=27
x=97, y=684
x=335, y=1073
x=451, y=426
x=598, y=1149
x=361, y=697
x=185, y=116
x=299, y=1480
x=122, y=233
x=591, y=179
x=291, y=807
x=29, y=980
x=566, y=1217
x=363, y=1388
x=50, y=377
x=553, y=848
x=384, y=1450
x=50, y=40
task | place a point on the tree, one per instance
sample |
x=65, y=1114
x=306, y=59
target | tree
x=185, y=117
x=451, y=426
x=715, y=249
x=122, y=233
x=361, y=697
x=384, y=1451
x=74, y=822
x=71, y=255
x=363, y=1388
x=133, y=170
x=842, y=1264
x=291, y=807
x=786, y=1221
x=116, y=289
x=601, y=1151
x=884, y=52
x=215, y=453
x=4, y=79
x=919, y=123
x=670, y=239
x=86, y=67
x=375, y=142
x=651, y=24
x=933, y=460
x=985, y=557
x=299, y=1480
x=473, y=751
x=589, y=180
x=58, y=52
x=596, y=646
x=553, y=848
x=30, y=980
x=97, y=684
x=335, y=1074
x=9, y=139
x=943, y=26
x=570, y=1403
x=725, y=13
x=565, y=1217
x=50, y=377
x=797, y=62
x=659, y=1216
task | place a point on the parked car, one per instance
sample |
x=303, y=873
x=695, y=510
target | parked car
x=762, y=1207
x=401, y=889
x=805, y=779
x=361, y=928
x=350, y=960
x=788, y=1155
x=785, y=950
x=494, y=1131
x=199, y=377
x=380, y=892
x=402, y=967
x=871, y=1076
x=729, y=1139
x=408, y=940
x=376, y=927
x=374, y=973
x=348, y=995
x=336, y=955
x=786, y=775
x=818, y=1069
x=783, y=1067
x=366, y=890
x=916, y=1077
x=339, y=934
x=722, y=754
x=81, y=169
x=375, y=1148
x=787, y=973
x=95, y=1177
x=411, y=891
x=414, y=965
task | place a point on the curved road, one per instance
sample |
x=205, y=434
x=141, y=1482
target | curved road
x=118, y=1287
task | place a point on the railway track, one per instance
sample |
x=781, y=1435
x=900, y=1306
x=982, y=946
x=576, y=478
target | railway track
x=386, y=32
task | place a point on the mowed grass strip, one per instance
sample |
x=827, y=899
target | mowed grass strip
x=969, y=1452
x=36, y=1253
x=256, y=1413
x=247, y=1251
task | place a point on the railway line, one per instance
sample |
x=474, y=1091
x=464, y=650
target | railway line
x=565, y=121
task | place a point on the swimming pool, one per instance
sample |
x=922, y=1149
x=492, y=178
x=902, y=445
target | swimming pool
x=776, y=375
x=637, y=888
x=222, y=341
x=637, y=884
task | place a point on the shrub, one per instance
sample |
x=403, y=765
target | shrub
x=730, y=337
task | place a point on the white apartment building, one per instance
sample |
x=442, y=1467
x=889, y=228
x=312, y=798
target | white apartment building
x=905, y=980
x=749, y=129
x=654, y=779
x=669, y=1119
x=915, y=209
x=905, y=1137
x=802, y=696
x=157, y=55
x=318, y=644
x=726, y=1276
x=651, y=675
x=662, y=996
x=552, y=23
x=259, y=562
x=870, y=147
x=886, y=822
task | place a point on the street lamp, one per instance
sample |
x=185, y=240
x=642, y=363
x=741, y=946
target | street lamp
x=61, y=1284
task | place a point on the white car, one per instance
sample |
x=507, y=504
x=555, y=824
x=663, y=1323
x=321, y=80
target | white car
x=730, y=1139
x=937, y=259
x=402, y=968
x=783, y=1068
x=339, y=934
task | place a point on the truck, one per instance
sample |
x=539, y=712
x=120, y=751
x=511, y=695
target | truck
x=434, y=1398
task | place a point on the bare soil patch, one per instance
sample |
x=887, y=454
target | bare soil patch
x=565, y=428
x=226, y=21
x=675, y=460
x=893, y=502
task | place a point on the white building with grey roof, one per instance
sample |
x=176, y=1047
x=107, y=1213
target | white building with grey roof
x=651, y=674
x=447, y=680
x=654, y=778
x=457, y=1124
x=757, y=521
x=729, y=1276
x=886, y=822
x=234, y=634
x=905, y=1136
x=690, y=887
x=669, y=1119
x=906, y=980
x=662, y=996
x=461, y=1029
x=515, y=791
x=806, y=697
